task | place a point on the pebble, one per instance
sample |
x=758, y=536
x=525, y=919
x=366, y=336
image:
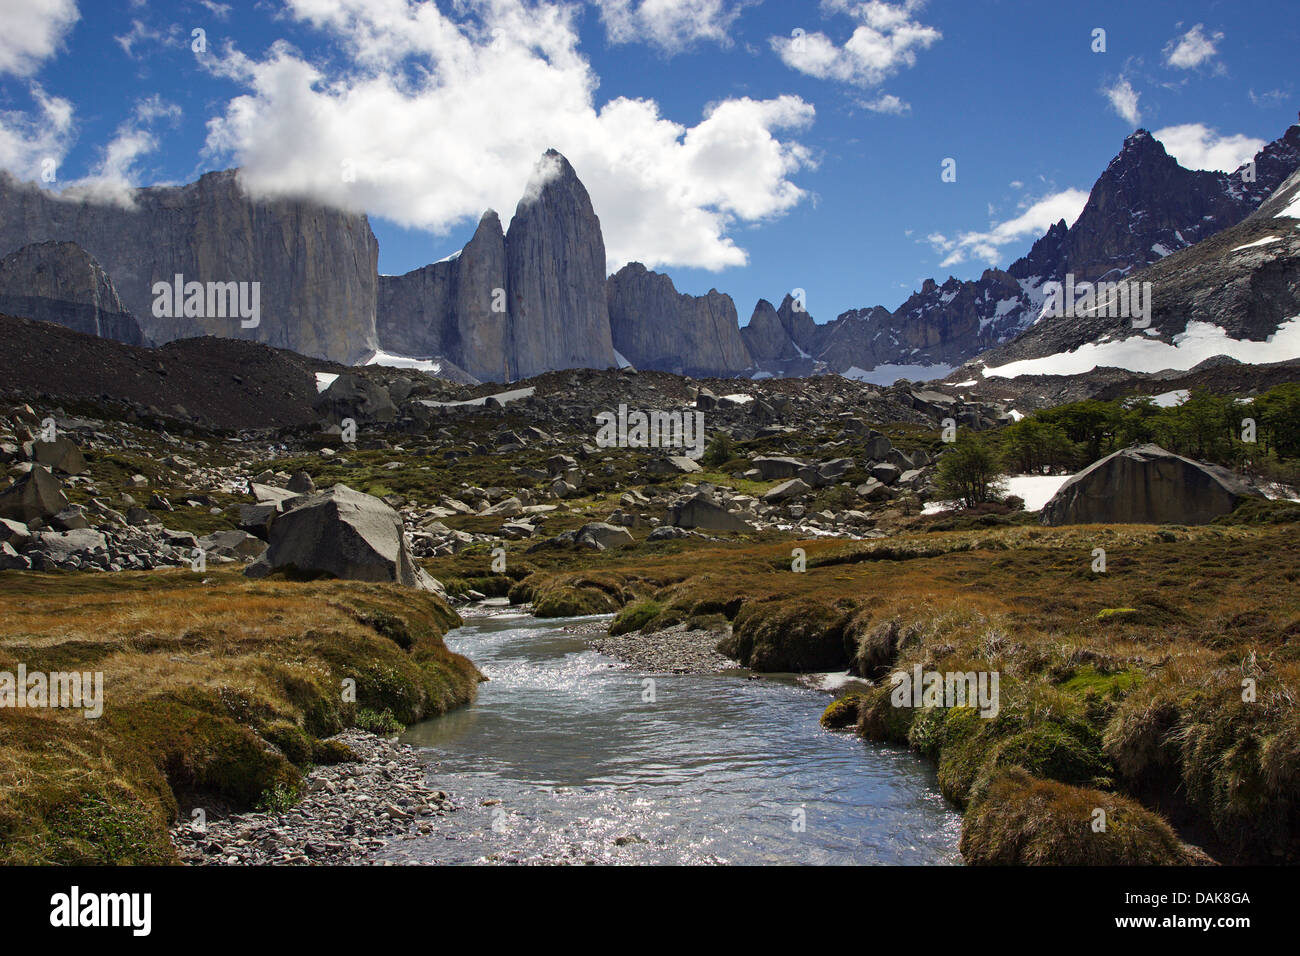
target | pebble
x=348, y=812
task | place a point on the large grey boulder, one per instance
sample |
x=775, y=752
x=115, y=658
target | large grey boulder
x=355, y=396
x=787, y=489
x=37, y=494
x=604, y=534
x=772, y=468
x=1144, y=484
x=701, y=511
x=61, y=546
x=235, y=545
x=345, y=534
x=59, y=455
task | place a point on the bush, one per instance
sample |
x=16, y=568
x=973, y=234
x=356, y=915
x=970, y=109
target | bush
x=968, y=472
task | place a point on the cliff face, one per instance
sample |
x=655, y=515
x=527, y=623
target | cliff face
x=656, y=327
x=317, y=267
x=60, y=282
x=555, y=276
x=447, y=309
x=512, y=305
x=765, y=336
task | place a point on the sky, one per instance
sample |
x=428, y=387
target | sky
x=760, y=147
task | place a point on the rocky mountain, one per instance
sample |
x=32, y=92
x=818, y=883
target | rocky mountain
x=555, y=276
x=1244, y=280
x=656, y=327
x=1143, y=208
x=446, y=309
x=60, y=282
x=513, y=305
x=315, y=267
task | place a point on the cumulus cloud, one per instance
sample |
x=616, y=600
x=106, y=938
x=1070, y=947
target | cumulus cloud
x=885, y=41
x=432, y=120
x=1192, y=48
x=1032, y=222
x=887, y=103
x=1196, y=146
x=33, y=146
x=1124, y=100
x=33, y=32
x=670, y=25
x=117, y=171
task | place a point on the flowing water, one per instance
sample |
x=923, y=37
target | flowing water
x=564, y=758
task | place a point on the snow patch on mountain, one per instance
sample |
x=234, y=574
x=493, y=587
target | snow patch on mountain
x=1200, y=341
x=889, y=374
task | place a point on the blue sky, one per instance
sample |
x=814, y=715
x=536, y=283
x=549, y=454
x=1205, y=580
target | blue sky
x=756, y=146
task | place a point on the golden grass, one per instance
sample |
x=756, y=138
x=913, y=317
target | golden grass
x=199, y=672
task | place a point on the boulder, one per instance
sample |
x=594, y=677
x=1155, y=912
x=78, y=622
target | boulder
x=345, y=534
x=673, y=465
x=605, y=535
x=301, y=483
x=236, y=545
x=37, y=494
x=886, y=473
x=59, y=455
x=61, y=546
x=770, y=469
x=14, y=532
x=1144, y=484
x=787, y=489
x=701, y=511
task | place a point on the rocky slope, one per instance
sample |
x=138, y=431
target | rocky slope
x=1244, y=280
x=60, y=282
x=1143, y=208
x=316, y=266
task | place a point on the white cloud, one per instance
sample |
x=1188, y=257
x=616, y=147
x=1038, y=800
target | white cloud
x=885, y=41
x=117, y=172
x=437, y=119
x=1124, y=100
x=887, y=103
x=143, y=34
x=29, y=145
x=33, y=31
x=1196, y=146
x=1268, y=97
x=1032, y=222
x=1192, y=48
x=670, y=25
x=219, y=10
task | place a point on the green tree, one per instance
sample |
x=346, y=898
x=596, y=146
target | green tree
x=1090, y=423
x=968, y=471
x=1031, y=446
x=1277, y=416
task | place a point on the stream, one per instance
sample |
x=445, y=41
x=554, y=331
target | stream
x=569, y=756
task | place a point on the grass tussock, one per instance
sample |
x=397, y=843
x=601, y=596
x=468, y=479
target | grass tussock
x=217, y=693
